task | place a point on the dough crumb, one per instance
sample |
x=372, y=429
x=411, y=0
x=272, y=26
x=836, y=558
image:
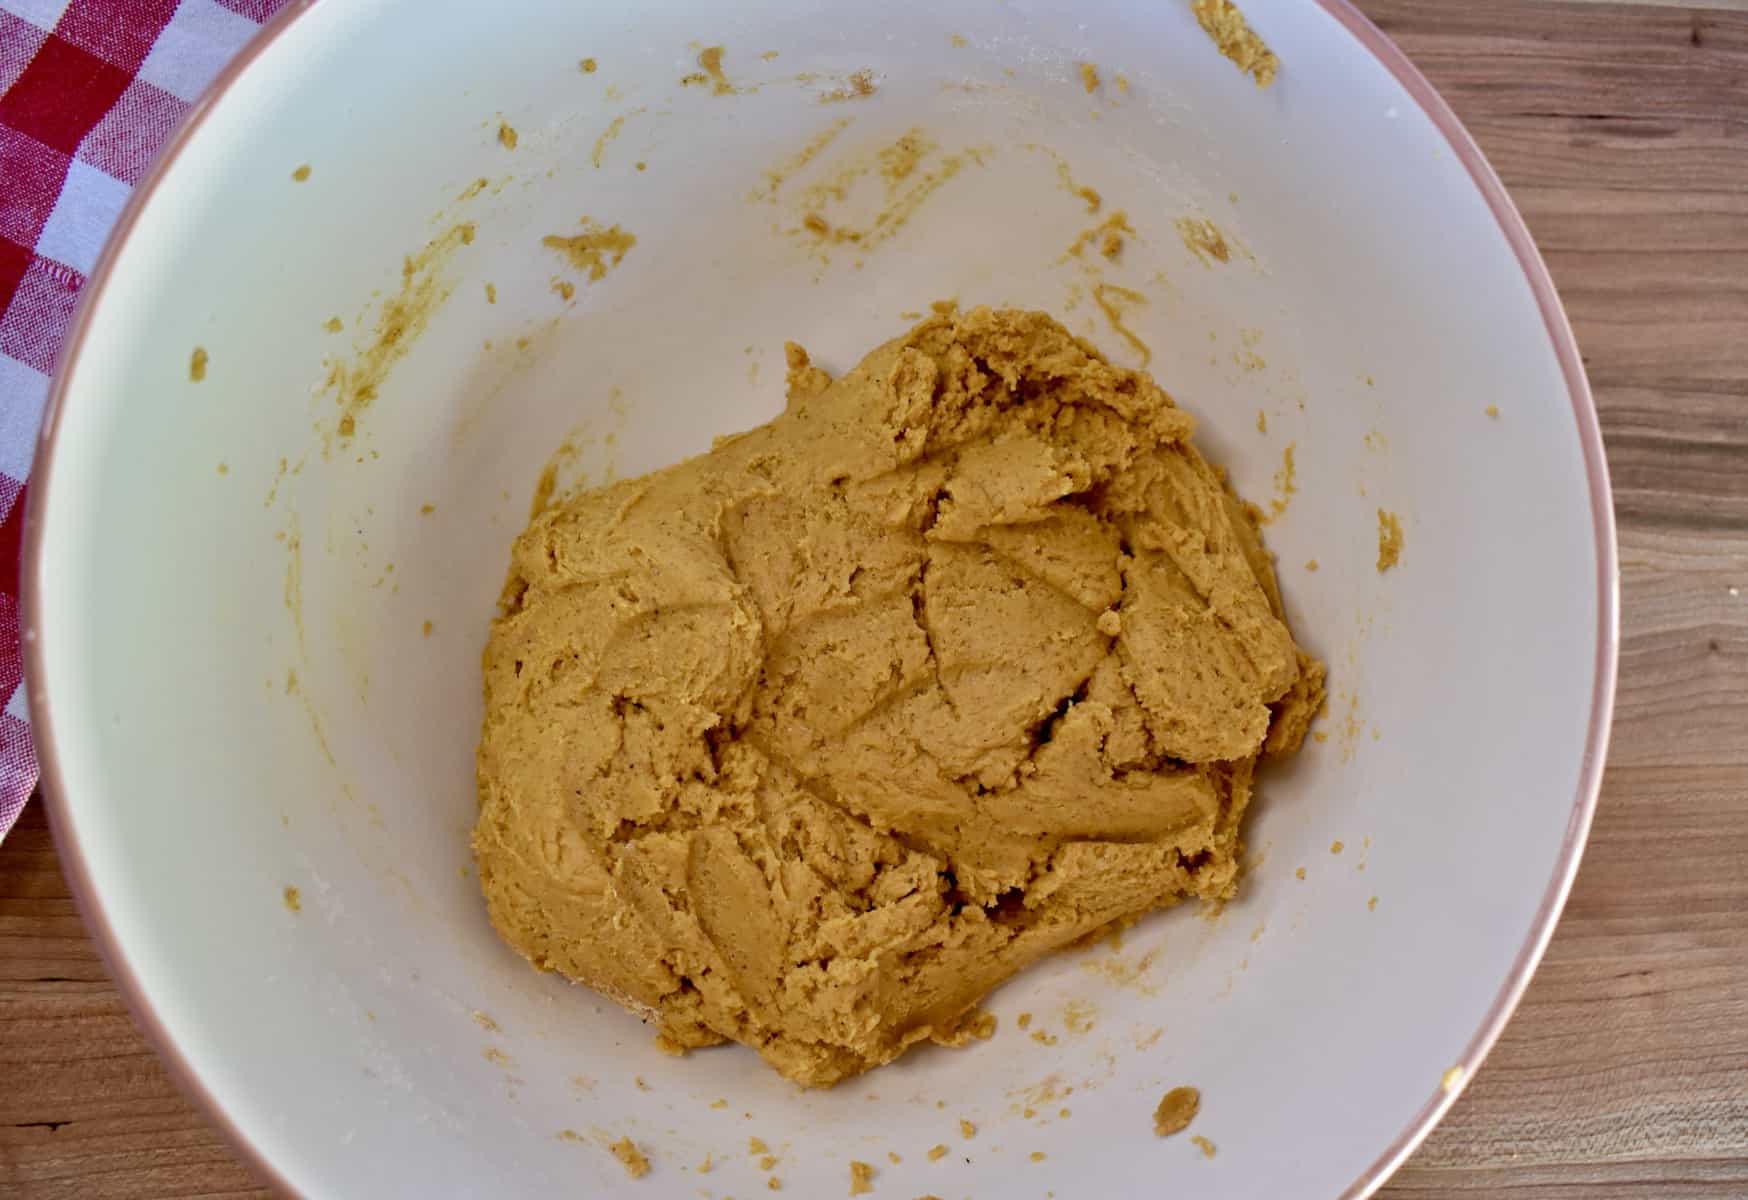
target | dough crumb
x=485, y=1022
x=1109, y=235
x=966, y=1129
x=1389, y=540
x=1337, y=846
x=1038, y=1156
x=293, y=899
x=757, y=1146
x=1452, y=1079
x=1176, y=1110
x=977, y=1024
x=937, y=1153
x=588, y=65
x=1310, y=564
x=1233, y=37
x=1262, y=421
x=1299, y=873
x=197, y=365
x=861, y=1178
x=1372, y=904
x=1089, y=77
x=774, y=1183
x=302, y=173
x=626, y=1151
x=710, y=58
x=333, y=325
x=506, y=136
x=958, y=41
x=1493, y=411
x=594, y=251
x=1203, y=1144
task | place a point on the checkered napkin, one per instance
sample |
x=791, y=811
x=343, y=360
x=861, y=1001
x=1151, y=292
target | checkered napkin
x=89, y=91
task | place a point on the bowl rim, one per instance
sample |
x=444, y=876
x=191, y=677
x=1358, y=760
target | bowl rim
x=1559, y=329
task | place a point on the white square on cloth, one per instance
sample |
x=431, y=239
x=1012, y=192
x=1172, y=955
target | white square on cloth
x=23, y=391
x=44, y=14
x=200, y=39
x=89, y=203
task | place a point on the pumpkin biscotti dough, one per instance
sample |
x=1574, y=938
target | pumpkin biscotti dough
x=811, y=741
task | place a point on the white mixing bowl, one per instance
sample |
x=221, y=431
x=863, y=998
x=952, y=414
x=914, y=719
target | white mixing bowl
x=236, y=693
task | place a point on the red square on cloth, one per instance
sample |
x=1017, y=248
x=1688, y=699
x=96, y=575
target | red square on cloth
x=61, y=95
x=33, y=175
x=14, y=261
x=120, y=32
x=11, y=541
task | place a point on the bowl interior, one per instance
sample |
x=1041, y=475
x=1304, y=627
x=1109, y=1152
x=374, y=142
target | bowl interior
x=260, y=639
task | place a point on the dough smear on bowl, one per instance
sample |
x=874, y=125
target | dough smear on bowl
x=811, y=741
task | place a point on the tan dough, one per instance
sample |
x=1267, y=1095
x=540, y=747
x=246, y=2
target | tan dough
x=811, y=741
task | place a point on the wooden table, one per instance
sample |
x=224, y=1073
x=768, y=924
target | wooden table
x=1622, y=131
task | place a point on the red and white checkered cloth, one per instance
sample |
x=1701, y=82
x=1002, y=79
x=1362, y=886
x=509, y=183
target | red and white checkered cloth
x=89, y=91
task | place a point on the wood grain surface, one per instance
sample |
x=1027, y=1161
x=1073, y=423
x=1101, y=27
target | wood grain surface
x=1622, y=131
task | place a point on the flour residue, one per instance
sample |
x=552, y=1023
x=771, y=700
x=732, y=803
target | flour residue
x=777, y=176
x=612, y=131
x=1245, y=354
x=856, y=86
x=836, y=211
x=355, y=383
x=1124, y=971
x=1202, y=238
x=1115, y=302
x=1065, y=175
